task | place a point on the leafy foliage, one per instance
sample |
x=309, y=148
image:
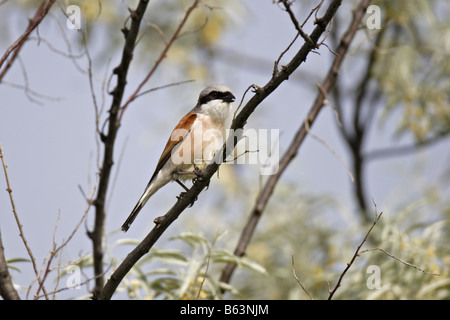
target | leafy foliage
x=411, y=70
x=321, y=242
x=412, y=67
x=188, y=274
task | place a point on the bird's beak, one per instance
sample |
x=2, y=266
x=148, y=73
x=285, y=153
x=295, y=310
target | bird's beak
x=229, y=97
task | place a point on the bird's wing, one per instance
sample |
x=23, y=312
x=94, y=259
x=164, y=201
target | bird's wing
x=185, y=122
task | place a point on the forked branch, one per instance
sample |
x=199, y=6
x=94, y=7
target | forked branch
x=162, y=223
x=14, y=49
x=289, y=155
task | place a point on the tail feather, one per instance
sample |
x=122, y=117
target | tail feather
x=126, y=225
x=149, y=191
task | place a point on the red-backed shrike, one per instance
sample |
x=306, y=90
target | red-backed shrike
x=192, y=144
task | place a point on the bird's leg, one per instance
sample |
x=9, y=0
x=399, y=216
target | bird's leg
x=181, y=184
x=184, y=192
x=184, y=187
x=200, y=176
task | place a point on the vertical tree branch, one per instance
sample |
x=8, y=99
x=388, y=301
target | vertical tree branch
x=161, y=57
x=355, y=138
x=291, y=152
x=108, y=140
x=116, y=112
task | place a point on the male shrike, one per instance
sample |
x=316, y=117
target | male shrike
x=192, y=144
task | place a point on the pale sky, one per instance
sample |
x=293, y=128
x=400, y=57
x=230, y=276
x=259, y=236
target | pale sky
x=50, y=148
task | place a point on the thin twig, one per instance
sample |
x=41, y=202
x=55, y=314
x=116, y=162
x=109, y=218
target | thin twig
x=326, y=36
x=163, y=87
x=327, y=146
x=287, y=6
x=55, y=250
x=290, y=154
x=252, y=86
x=17, y=45
x=206, y=273
x=404, y=150
x=315, y=9
x=19, y=224
x=161, y=57
x=26, y=82
x=328, y=102
x=355, y=255
x=298, y=280
x=48, y=260
x=275, y=67
x=29, y=92
x=399, y=260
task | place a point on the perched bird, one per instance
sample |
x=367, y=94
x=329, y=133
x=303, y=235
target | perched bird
x=192, y=144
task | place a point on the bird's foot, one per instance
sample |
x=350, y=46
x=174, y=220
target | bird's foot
x=199, y=177
x=182, y=194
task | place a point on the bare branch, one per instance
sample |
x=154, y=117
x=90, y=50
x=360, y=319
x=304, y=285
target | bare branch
x=19, y=225
x=275, y=67
x=161, y=57
x=326, y=86
x=14, y=49
x=162, y=223
x=349, y=264
x=163, y=87
x=314, y=10
x=108, y=139
x=400, y=260
x=298, y=280
x=208, y=259
x=287, y=6
x=354, y=131
x=403, y=150
x=252, y=86
x=327, y=146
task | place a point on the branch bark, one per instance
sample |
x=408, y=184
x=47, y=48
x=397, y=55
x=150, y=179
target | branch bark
x=162, y=223
x=108, y=140
x=355, y=137
x=291, y=152
x=161, y=57
x=17, y=45
x=7, y=290
x=404, y=150
x=116, y=112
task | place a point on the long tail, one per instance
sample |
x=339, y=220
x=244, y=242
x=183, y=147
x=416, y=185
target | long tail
x=149, y=191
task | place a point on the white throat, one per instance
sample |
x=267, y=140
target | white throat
x=217, y=109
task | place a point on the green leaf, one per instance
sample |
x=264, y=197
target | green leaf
x=222, y=255
x=192, y=239
x=13, y=260
x=9, y=263
x=128, y=241
x=168, y=255
x=433, y=287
